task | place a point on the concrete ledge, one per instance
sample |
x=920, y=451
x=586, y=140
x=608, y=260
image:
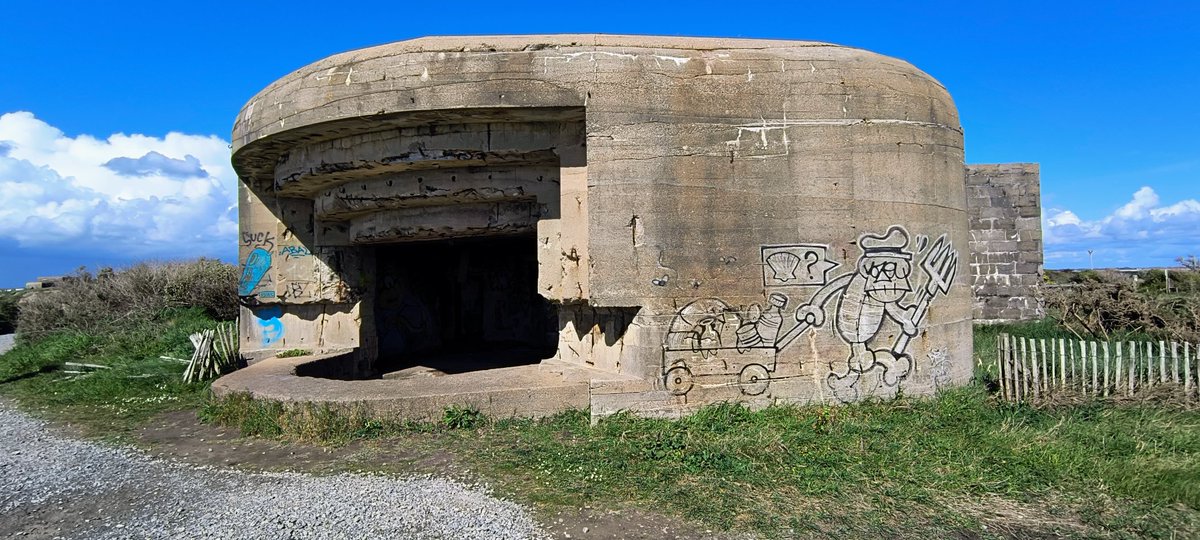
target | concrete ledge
x=523, y=391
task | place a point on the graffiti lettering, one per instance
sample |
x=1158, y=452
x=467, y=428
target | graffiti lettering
x=289, y=252
x=259, y=239
x=297, y=289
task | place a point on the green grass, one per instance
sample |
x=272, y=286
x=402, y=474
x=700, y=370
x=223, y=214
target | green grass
x=292, y=353
x=107, y=402
x=906, y=468
x=957, y=465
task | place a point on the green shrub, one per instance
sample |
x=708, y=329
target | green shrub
x=112, y=301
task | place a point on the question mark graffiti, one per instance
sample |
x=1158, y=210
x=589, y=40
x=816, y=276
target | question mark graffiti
x=811, y=258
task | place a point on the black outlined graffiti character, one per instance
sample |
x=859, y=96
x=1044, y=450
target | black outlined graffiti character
x=875, y=291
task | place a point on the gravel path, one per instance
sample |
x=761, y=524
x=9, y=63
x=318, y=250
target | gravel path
x=57, y=487
x=6, y=342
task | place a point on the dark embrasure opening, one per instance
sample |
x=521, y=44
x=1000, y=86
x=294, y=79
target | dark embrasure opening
x=461, y=305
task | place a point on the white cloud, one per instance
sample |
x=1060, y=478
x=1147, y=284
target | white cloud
x=129, y=195
x=1142, y=232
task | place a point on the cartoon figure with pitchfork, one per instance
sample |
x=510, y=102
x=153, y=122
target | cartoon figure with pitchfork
x=874, y=291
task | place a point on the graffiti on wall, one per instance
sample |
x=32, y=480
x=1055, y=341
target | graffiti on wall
x=294, y=252
x=739, y=346
x=796, y=265
x=256, y=268
x=270, y=327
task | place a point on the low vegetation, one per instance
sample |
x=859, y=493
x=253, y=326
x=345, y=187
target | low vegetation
x=957, y=465
x=109, y=302
x=96, y=351
x=1109, y=305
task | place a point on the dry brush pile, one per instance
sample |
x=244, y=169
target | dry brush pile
x=111, y=300
x=1109, y=305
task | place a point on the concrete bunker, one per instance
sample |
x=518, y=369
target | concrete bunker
x=605, y=222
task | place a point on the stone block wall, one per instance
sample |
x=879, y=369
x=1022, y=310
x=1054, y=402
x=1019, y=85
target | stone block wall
x=1004, y=207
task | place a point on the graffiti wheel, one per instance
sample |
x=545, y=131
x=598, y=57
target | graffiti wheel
x=678, y=380
x=754, y=379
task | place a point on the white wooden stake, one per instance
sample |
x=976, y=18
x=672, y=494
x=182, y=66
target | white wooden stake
x=1105, y=368
x=1095, y=371
x=1062, y=363
x=1175, y=362
x=1000, y=364
x=1083, y=366
x=1132, y=367
x=1187, y=369
x=1149, y=365
x=1024, y=372
x=1046, y=373
x=1033, y=363
x=1162, y=361
x=1014, y=368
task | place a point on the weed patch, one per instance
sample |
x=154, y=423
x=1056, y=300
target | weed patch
x=137, y=385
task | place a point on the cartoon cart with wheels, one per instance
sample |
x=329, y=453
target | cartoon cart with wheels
x=712, y=344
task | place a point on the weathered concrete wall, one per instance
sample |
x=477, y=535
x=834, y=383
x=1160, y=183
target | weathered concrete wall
x=759, y=221
x=1004, y=203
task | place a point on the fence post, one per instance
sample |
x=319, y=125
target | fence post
x=1013, y=352
x=1095, y=371
x=1062, y=364
x=1083, y=366
x=1187, y=369
x=1118, y=371
x=1149, y=365
x=1105, y=368
x=1071, y=349
x=1175, y=362
x=1033, y=364
x=1024, y=370
x=1046, y=385
x=1162, y=362
x=1000, y=363
x=1132, y=366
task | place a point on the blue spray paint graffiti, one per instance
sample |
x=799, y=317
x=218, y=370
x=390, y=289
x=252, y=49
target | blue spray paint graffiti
x=269, y=324
x=290, y=252
x=257, y=264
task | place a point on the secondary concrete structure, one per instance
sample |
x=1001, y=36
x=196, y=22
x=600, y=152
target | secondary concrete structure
x=1004, y=205
x=524, y=224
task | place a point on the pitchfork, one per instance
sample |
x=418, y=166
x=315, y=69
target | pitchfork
x=940, y=264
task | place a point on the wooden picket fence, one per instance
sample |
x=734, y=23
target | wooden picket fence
x=1034, y=368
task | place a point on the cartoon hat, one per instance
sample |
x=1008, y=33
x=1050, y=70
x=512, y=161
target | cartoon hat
x=891, y=244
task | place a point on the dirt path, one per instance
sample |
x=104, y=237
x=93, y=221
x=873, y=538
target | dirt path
x=59, y=487
x=193, y=480
x=181, y=437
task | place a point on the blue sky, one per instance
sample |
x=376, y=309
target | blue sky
x=116, y=115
